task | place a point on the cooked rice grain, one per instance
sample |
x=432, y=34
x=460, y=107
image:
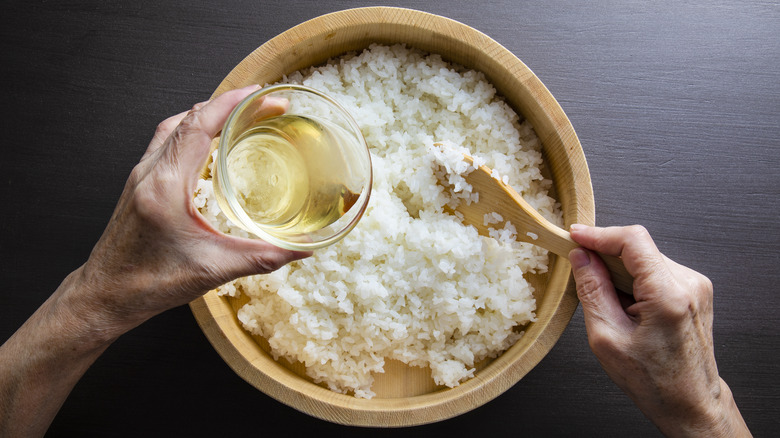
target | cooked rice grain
x=410, y=282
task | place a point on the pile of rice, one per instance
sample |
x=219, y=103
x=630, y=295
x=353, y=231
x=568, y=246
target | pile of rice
x=410, y=282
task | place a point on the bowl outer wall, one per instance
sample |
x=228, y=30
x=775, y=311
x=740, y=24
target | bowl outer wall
x=314, y=42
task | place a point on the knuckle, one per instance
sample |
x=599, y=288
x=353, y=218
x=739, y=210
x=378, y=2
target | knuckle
x=602, y=344
x=588, y=285
x=702, y=283
x=691, y=297
x=702, y=289
x=680, y=305
x=164, y=127
x=638, y=232
x=198, y=106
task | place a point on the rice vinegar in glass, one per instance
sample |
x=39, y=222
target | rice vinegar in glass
x=287, y=173
x=292, y=168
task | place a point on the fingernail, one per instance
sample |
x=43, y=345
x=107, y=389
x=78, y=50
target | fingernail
x=250, y=87
x=579, y=258
x=577, y=227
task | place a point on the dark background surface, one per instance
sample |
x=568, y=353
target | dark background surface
x=677, y=108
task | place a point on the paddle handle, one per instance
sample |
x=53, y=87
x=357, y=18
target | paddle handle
x=531, y=226
x=560, y=242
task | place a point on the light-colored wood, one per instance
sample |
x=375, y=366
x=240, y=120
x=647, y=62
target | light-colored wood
x=532, y=227
x=404, y=397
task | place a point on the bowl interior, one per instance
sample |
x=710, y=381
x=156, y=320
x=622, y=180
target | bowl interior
x=407, y=395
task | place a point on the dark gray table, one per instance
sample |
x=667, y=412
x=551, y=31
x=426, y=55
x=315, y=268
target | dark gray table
x=677, y=107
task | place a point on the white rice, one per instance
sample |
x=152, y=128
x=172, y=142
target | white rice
x=410, y=282
x=492, y=218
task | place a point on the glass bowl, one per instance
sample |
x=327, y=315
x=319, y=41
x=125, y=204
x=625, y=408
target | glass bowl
x=292, y=168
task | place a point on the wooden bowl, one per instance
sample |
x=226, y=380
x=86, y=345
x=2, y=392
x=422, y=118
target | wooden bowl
x=407, y=395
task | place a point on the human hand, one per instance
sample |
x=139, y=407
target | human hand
x=657, y=346
x=157, y=251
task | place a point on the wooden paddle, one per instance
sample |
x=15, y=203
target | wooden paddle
x=532, y=227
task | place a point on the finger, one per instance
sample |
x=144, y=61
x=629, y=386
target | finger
x=600, y=303
x=191, y=140
x=239, y=257
x=633, y=244
x=211, y=117
x=271, y=106
x=163, y=131
x=256, y=256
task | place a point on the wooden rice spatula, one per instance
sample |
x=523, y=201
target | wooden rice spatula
x=532, y=227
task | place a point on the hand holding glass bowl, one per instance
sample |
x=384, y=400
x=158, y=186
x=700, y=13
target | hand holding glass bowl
x=292, y=168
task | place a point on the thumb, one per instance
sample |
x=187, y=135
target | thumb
x=600, y=303
x=190, y=142
x=241, y=257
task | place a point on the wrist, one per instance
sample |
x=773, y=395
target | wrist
x=726, y=419
x=718, y=417
x=45, y=357
x=82, y=315
x=108, y=305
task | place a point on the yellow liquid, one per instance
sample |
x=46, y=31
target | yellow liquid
x=289, y=173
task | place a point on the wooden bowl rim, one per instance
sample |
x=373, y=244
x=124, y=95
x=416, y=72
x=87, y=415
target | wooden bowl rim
x=214, y=313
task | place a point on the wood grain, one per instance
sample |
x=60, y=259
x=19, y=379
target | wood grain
x=675, y=103
x=497, y=197
x=405, y=396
